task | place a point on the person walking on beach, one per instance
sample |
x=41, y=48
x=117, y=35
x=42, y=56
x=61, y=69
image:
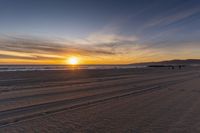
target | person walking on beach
x=179, y=66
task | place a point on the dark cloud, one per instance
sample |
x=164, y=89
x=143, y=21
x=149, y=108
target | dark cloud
x=2, y=56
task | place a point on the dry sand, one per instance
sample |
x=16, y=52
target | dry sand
x=148, y=100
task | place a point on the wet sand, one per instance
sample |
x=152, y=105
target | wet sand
x=152, y=100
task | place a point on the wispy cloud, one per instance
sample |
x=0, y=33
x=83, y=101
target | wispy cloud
x=37, y=49
x=171, y=16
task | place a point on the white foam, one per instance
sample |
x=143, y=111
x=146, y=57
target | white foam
x=11, y=68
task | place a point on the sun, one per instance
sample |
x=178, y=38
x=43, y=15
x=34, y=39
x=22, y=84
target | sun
x=72, y=61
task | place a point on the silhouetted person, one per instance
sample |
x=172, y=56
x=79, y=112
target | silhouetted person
x=179, y=66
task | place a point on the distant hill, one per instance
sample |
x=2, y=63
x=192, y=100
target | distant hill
x=172, y=62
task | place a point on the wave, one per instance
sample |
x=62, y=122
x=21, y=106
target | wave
x=8, y=68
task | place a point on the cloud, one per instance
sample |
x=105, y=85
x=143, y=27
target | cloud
x=37, y=49
x=110, y=38
x=94, y=47
x=171, y=16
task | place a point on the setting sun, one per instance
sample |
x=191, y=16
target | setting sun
x=73, y=61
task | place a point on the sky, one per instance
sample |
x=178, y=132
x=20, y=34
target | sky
x=98, y=31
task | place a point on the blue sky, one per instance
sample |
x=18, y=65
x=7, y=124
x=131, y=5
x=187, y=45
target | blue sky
x=125, y=29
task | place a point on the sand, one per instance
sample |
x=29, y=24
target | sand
x=152, y=100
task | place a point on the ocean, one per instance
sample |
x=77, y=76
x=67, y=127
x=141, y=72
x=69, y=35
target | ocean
x=8, y=68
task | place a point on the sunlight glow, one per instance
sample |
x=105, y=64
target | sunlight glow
x=73, y=61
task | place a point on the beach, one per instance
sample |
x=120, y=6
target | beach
x=131, y=100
